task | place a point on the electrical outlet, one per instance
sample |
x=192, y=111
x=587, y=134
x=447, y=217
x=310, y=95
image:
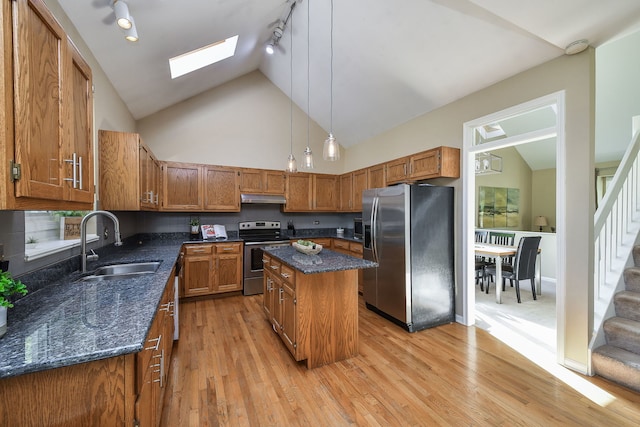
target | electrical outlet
x=316, y=222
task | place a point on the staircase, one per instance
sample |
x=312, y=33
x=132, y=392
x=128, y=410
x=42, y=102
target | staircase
x=619, y=359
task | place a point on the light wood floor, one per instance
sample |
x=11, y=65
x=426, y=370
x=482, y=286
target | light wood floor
x=230, y=368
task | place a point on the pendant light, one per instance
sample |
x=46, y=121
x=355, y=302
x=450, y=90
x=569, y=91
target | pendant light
x=307, y=162
x=291, y=161
x=331, y=149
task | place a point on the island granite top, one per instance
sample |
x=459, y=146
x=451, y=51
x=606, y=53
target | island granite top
x=325, y=261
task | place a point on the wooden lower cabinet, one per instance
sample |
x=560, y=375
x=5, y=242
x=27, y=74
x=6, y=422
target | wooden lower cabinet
x=211, y=268
x=315, y=315
x=124, y=390
x=354, y=249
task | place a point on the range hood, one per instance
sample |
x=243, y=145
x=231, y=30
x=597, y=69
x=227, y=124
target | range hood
x=275, y=199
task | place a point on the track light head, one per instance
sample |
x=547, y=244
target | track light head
x=123, y=18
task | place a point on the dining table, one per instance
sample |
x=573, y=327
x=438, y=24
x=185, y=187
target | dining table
x=499, y=252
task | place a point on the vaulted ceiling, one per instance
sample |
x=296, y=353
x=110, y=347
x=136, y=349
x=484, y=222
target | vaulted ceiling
x=392, y=60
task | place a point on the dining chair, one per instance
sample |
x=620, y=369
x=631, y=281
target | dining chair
x=481, y=262
x=524, y=267
x=502, y=239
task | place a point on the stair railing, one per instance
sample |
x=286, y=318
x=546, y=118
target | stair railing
x=616, y=227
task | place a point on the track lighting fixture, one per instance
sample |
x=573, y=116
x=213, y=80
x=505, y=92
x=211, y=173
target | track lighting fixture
x=279, y=31
x=123, y=18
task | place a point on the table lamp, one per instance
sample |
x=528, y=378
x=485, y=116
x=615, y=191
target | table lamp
x=540, y=221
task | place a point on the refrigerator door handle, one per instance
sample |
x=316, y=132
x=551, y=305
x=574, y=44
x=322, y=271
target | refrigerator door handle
x=374, y=228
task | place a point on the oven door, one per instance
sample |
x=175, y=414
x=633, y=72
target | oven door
x=253, y=267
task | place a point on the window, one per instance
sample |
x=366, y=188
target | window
x=44, y=233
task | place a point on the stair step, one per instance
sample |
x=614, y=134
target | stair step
x=623, y=333
x=617, y=365
x=627, y=305
x=632, y=278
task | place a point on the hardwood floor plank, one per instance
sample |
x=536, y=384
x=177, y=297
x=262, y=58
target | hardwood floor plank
x=230, y=369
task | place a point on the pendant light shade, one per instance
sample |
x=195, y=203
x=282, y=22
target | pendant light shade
x=331, y=150
x=291, y=164
x=307, y=162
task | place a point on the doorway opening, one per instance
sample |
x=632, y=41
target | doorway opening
x=526, y=138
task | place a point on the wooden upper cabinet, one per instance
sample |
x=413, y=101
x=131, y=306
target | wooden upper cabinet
x=182, y=186
x=397, y=170
x=149, y=172
x=119, y=178
x=262, y=181
x=346, y=192
x=78, y=152
x=325, y=192
x=376, y=176
x=298, y=192
x=360, y=181
x=352, y=185
x=221, y=189
x=441, y=162
x=47, y=113
x=41, y=56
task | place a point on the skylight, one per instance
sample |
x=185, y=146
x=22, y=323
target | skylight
x=201, y=57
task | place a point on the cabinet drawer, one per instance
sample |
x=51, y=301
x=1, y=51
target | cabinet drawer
x=228, y=248
x=274, y=266
x=199, y=249
x=288, y=274
x=356, y=248
x=340, y=244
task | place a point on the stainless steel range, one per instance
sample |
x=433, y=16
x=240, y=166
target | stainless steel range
x=257, y=235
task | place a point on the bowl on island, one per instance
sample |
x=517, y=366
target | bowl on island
x=307, y=247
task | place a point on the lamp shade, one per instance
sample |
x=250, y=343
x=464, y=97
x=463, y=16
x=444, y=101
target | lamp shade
x=540, y=221
x=331, y=149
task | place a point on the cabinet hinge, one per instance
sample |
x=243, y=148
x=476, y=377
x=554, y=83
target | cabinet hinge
x=295, y=345
x=295, y=300
x=16, y=171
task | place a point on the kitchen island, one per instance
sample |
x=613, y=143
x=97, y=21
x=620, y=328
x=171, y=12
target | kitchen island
x=312, y=302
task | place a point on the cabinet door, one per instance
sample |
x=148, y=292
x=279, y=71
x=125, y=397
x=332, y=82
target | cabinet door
x=119, y=176
x=396, y=170
x=228, y=267
x=376, y=177
x=40, y=56
x=346, y=192
x=359, y=185
x=197, y=275
x=298, y=192
x=325, y=193
x=148, y=178
x=425, y=165
x=78, y=152
x=288, y=316
x=181, y=186
x=275, y=182
x=251, y=181
x=276, y=319
x=222, y=189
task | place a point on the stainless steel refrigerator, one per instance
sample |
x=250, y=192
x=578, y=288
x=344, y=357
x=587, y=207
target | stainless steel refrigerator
x=408, y=231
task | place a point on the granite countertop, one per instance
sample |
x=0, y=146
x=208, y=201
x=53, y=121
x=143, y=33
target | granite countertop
x=69, y=322
x=325, y=261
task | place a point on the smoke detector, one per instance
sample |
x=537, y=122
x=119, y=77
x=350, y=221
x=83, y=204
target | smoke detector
x=576, y=47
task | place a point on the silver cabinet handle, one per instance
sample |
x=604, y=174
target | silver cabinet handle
x=80, y=173
x=285, y=275
x=274, y=267
x=74, y=172
x=227, y=249
x=157, y=340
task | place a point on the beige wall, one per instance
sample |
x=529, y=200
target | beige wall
x=573, y=74
x=543, y=197
x=245, y=122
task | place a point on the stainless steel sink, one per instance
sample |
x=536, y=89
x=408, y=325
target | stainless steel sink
x=121, y=271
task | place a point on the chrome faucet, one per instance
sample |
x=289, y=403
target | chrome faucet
x=83, y=236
